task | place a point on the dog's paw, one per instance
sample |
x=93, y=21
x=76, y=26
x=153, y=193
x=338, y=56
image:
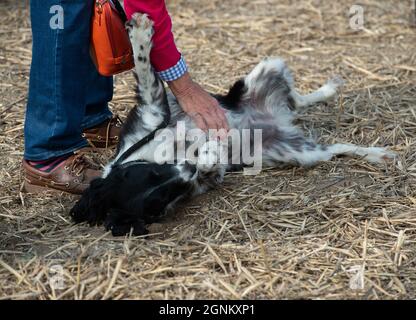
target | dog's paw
x=336, y=82
x=210, y=156
x=187, y=170
x=333, y=86
x=142, y=21
x=379, y=155
x=140, y=29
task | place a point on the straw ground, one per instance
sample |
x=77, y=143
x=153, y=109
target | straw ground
x=344, y=229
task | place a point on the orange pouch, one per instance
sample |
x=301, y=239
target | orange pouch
x=111, y=50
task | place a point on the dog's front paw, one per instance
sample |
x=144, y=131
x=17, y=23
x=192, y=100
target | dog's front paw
x=142, y=21
x=140, y=28
x=211, y=156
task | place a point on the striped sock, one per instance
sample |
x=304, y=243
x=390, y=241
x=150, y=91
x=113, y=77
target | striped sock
x=48, y=165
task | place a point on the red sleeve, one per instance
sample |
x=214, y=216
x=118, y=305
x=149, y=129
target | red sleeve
x=164, y=54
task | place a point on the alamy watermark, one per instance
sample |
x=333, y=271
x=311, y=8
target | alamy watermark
x=57, y=19
x=356, y=17
x=237, y=147
x=57, y=281
x=357, y=277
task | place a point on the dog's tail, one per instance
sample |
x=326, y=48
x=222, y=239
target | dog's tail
x=93, y=205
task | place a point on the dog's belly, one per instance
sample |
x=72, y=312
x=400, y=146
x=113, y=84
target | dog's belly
x=181, y=138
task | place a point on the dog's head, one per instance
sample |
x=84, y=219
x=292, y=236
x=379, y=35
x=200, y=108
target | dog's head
x=135, y=193
x=165, y=185
x=146, y=193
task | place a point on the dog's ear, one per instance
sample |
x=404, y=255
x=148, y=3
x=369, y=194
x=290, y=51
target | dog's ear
x=155, y=204
x=92, y=206
x=120, y=222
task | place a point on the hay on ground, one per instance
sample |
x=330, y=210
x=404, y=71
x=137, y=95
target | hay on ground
x=344, y=229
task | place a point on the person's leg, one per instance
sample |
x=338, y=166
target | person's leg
x=66, y=94
x=100, y=92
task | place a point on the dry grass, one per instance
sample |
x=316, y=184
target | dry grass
x=282, y=234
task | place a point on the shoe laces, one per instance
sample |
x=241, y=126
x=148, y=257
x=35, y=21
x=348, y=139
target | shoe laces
x=78, y=164
x=115, y=120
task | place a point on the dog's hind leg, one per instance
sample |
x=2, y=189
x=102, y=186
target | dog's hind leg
x=271, y=84
x=371, y=154
x=294, y=149
x=268, y=85
x=324, y=93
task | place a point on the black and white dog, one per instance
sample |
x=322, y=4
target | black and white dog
x=142, y=184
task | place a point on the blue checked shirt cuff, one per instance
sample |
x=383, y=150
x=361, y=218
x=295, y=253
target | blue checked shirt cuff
x=175, y=72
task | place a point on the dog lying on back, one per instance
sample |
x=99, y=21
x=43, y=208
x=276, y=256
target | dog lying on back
x=137, y=188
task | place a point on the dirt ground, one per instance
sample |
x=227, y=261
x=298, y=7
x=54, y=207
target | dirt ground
x=345, y=229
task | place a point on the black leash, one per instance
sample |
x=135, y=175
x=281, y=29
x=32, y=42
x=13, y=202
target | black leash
x=147, y=138
x=120, y=10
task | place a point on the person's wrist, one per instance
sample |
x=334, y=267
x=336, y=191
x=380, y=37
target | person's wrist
x=181, y=86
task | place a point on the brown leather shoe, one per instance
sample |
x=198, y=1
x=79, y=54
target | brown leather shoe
x=105, y=135
x=72, y=176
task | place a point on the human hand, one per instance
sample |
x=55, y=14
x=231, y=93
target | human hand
x=198, y=104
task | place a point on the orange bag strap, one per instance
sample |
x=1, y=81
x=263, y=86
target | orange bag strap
x=116, y=5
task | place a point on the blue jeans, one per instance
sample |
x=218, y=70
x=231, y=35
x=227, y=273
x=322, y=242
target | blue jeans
x=66, y=93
